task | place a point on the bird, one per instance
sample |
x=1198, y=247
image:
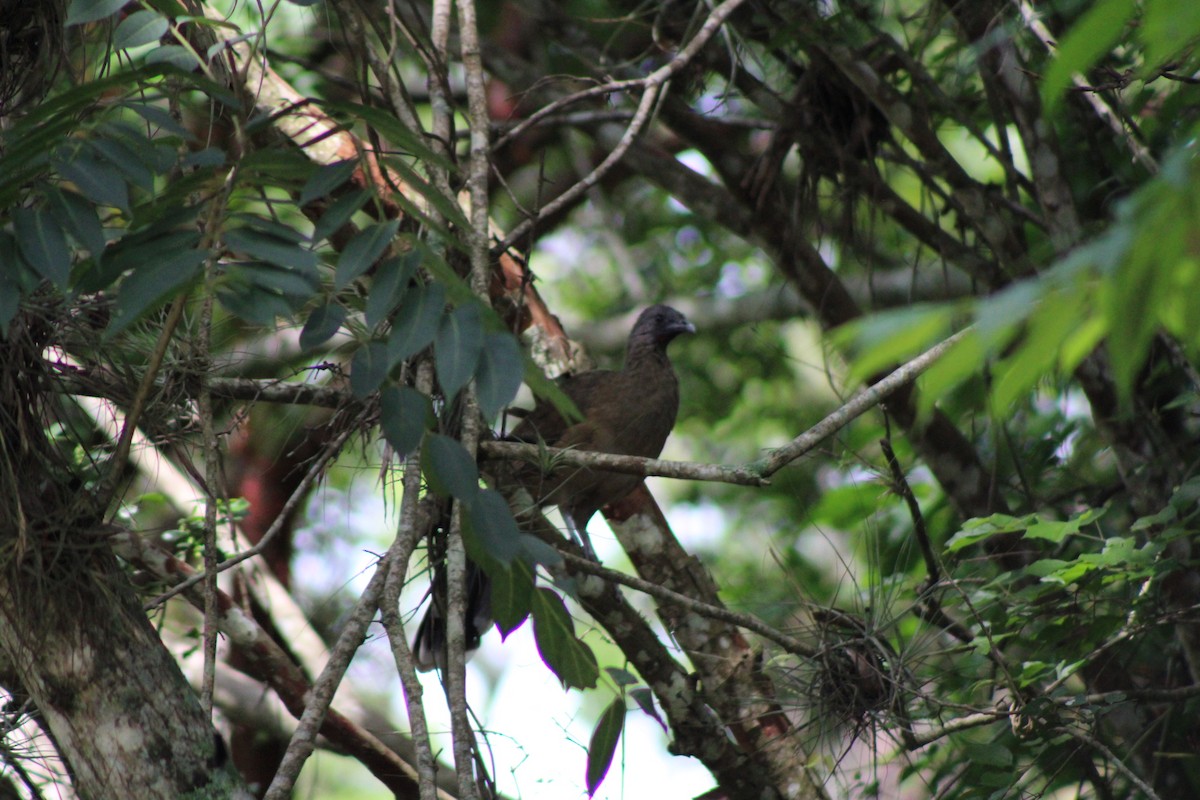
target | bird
x=629, y=411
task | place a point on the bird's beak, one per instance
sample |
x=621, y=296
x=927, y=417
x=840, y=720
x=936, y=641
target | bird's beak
x=684, y=327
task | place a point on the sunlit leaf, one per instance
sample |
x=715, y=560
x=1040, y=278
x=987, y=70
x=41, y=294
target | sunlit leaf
x=1167, y=27
x=1092, y=35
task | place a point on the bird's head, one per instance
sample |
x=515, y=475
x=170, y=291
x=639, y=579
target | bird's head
x=660, y=324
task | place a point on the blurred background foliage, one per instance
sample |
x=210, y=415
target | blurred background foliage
x=827, y=190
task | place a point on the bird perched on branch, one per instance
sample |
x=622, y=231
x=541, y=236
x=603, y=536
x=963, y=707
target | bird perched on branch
x=630, y=411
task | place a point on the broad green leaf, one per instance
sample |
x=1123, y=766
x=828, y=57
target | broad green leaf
x=43, y=244
x=339, y=213
x=368, y=368
x=1167, y=27
x=456, y=347
x=204, y=158
x=603, y=744
x=326, y=179
x=99, y=182
x=78, y=217
x=449, y=468
x=160, y=118
x=390, y=282
x=321, y=324
x=362, y=251
x=254, y=303
x=886, y=340
x=416, y=321
x=975, y=530
x=11, y=269
x=130, y=163
x=403, y=416
x=139, y=28
x=512, y=595
x=1088, y=39
x=992, y=754
x=493, y=527
x=174, y=55
x=499, y=374
x=295, y=287
x=82, y=11
x=554, y=632
x=273, y=249
x=153, y=284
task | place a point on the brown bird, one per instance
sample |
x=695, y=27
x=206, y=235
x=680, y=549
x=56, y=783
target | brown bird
x=626, y=412
x=630, y=411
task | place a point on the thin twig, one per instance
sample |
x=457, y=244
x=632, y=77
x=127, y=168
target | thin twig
x=652, y=86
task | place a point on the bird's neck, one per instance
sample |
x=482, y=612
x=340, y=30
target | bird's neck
x=646, y=355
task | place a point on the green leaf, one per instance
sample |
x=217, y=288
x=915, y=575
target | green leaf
x=295, y=287
x=139, y=28
x=449, y=468
x=130, y=163
x=326, y=179
x=43, y=244
x=153, y=284
x=368, y=368
x=499, y=374
x=975, y=530
x=100, y=182
x=272, y=249
x=321, y=324
x=992, y=755
x=885, y=340
x=389, y=285
x=1089, y=38
x=253, y=303
x=512, y=595
x=339, y=213
x=81, y=11
x=174, y=55
x=362, y=251
x=603, y=744
x=416, y=321
x=11, y=269
x=456, y=347
x=78, y=217
x=1168, y=26
x=554, y=632
x=403, y=416
x=492, y=526
x=621, y=677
